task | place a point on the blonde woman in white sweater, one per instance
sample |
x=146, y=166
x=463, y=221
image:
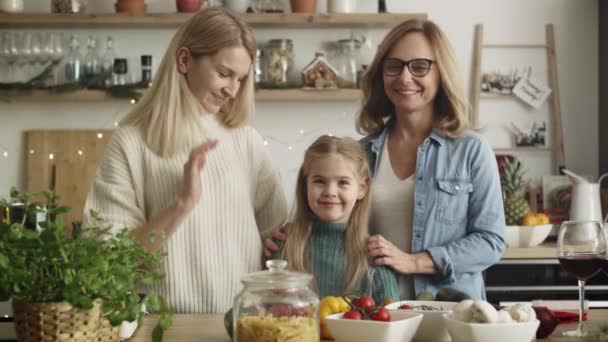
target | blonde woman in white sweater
x=185, y=166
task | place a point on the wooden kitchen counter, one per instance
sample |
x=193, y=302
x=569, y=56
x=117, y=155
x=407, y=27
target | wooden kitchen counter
x=210, y=328
x=545, y=250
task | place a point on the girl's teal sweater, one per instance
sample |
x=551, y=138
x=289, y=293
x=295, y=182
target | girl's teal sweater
x=327, y=260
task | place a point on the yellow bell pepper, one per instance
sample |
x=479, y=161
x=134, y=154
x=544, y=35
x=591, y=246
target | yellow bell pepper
x=328, y=306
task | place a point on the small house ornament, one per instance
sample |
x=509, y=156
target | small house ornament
x=319, y=74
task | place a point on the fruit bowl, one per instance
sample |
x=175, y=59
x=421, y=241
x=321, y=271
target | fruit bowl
x=401, y=328
x=527, y=236
x=432, y=328
x=484, y=332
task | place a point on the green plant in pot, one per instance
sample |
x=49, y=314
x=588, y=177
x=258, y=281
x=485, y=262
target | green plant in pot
x=80, y=286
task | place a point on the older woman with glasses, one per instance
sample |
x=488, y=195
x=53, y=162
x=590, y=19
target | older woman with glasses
x=437, y=213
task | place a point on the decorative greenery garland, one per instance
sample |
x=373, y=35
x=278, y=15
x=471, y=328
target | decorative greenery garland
x=97, y=82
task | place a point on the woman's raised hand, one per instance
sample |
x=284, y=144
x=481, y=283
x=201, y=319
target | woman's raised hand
x=192, y=188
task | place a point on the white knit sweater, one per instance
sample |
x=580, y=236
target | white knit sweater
x=219, y=241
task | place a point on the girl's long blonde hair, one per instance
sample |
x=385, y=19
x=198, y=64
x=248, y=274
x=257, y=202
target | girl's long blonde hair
x=300, y=229
x=168, y=113
x=451, y=116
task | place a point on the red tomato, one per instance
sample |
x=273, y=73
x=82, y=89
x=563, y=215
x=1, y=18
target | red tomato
x=352, y=314
x=381, y=314
x=406, y=307
x=365, y=302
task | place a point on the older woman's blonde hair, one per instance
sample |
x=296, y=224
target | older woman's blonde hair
x=296, y=246
x=451, y=116
x=168, y=113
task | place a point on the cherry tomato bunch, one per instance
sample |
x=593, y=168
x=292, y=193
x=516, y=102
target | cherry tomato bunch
x=364, y=308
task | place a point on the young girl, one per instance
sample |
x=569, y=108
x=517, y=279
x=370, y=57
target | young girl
x=328, y=233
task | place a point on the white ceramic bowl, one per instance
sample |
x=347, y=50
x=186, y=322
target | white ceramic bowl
x=527, y=236
x=485, y=332
x=401, y=328
x=432, y=328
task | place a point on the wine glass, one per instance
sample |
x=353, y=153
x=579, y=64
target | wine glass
x=581, y=248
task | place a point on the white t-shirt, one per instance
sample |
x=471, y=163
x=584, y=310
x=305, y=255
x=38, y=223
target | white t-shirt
x=393, y=213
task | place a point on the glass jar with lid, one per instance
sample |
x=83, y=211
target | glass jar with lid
x=346, y=62
x=268, y=6
x=279, y=303
x=278, y=62
x=69, y=6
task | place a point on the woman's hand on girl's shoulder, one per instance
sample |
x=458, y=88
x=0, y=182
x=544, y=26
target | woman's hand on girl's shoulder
x=384, y=253
x=192, y=188
x=270, y=247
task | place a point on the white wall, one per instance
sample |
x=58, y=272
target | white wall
x=505, y=21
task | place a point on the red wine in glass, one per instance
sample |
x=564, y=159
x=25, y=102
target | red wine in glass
x=581, y=267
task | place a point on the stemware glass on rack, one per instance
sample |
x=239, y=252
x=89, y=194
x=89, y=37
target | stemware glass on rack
x=10, y=54
x=581, y=248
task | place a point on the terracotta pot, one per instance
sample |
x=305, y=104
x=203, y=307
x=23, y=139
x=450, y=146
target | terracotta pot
x=189, y=5
x=305, y=6
x=131, y=6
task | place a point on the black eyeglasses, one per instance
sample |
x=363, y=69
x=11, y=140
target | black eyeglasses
x=418, y=67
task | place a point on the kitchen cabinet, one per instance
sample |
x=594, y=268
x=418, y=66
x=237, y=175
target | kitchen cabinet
x=173, y=20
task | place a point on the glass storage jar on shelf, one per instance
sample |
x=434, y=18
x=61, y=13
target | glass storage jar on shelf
x=268, y=6
x=278, y=63
x=278, y=303
x=69, y=6
x=346, y=62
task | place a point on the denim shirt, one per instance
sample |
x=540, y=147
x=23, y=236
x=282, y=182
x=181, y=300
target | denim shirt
x=458, y=209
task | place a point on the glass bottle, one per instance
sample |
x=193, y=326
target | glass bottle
x=146, y=70
x=73, y=65
x=119, y=77
x=278, y=63
x=279, y=299
x=107, y=61
x=92, y=64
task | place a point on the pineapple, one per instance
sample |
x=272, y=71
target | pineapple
x=511, y=179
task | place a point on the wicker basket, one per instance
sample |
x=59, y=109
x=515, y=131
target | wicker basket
x=62, y=322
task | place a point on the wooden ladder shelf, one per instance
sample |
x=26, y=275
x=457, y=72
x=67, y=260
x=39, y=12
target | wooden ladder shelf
x=557, y=141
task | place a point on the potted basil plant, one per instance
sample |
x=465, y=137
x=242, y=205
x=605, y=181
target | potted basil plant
x=80, y=286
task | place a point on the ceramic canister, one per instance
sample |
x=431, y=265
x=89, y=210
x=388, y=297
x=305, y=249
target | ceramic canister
x=341, y=6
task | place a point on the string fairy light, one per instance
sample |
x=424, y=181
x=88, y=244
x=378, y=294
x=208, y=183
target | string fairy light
x=268, y=140
x=305, y=135
x=5, y=151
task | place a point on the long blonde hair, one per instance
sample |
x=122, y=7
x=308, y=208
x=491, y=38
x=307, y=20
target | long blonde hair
x=168, y=113
x=451, y=107
x=300, y=228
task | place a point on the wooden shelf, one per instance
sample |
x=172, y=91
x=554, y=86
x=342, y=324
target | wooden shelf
x=523, y=149
x=515, y=46
x=546, y=250
x=308, y=95
x=260, y=95
x=175, y=19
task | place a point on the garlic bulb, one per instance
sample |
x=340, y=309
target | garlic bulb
x=462, y=311
x=522, y=313
x=483, y=312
